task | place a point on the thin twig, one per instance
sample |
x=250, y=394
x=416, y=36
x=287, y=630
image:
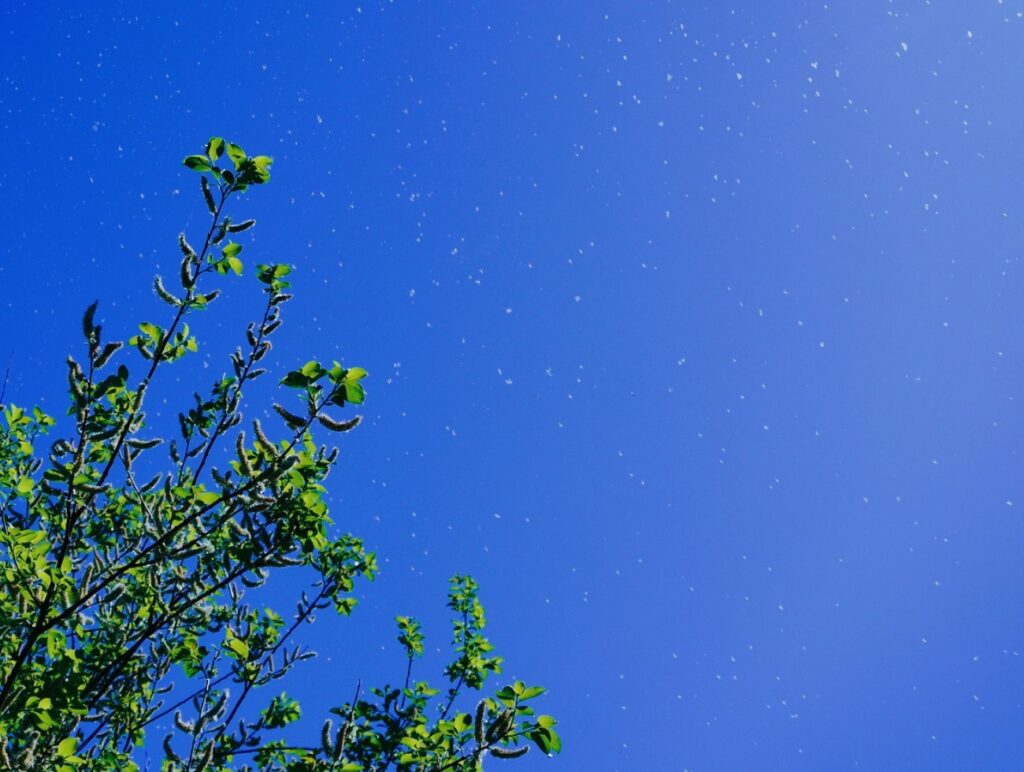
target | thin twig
x=7, y=377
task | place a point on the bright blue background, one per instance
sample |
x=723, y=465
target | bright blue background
x=694, y=331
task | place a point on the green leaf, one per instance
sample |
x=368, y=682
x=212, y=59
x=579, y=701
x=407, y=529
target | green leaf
x=546, y=740
x=237, y=645
x=556, y=741
x=355, y=374
x=67, y=746
x=207, y=497
x=261, y=169
x=25, y=486
x=354, y=393
x=336, y=373
x=236, y=154
x=273, y=275
x=215, y=147
x=151, y=331
x=231, y=249
x=313, y=370
x=198, y=163
x=56, y=644
x=295, y=380
x=236, y=265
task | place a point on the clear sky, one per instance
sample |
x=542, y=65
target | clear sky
x=694, y=332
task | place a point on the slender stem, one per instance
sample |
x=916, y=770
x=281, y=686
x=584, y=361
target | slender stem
x=454, y=691
x=7, y=377
x=408, y=677
x=286, y=749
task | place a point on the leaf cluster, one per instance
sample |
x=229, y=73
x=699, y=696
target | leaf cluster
x=131, y=563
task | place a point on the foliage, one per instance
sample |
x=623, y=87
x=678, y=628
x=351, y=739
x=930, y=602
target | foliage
x=129, y=579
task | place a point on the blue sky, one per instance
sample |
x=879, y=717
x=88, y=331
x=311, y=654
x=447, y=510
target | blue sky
x=693, y=332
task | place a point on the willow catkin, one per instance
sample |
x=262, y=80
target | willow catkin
x=243, y=456
x=339, y=743
x=509, y=753
x=262, y=439
x=325, y=738
x=108, y=351
x=478, y=721
x=339, y=426
x=207, y=195
x=163, y=294
x=289, y=417
x=501, y=725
